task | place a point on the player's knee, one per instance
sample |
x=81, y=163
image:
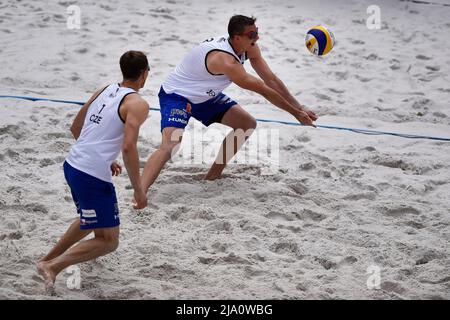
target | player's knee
x=249, y=125
x=168, y=148
x=112, y=244
x=252, y=123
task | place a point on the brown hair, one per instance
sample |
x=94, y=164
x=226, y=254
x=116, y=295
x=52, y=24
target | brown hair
x=132, y=64
x=237, y=24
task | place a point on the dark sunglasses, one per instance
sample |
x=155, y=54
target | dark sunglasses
x=251, y=34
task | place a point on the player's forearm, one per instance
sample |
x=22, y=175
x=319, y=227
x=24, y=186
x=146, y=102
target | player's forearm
x=131, y=160
x=278, y=85
x=278, y=100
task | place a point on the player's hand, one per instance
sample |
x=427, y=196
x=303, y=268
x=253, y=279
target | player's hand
x=310, y=113
x=139, y=200
x=303, y=117
x=116, y=168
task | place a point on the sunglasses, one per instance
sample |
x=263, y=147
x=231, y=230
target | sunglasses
x=251, y=34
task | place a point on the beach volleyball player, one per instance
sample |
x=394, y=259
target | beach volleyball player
x=195, y=88
x=108, y=123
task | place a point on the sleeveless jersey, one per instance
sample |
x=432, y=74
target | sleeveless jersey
x=101, y=137
x=191, y=77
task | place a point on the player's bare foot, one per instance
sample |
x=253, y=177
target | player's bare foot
x=48, y=275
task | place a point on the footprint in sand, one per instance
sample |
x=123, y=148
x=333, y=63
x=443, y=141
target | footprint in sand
x=48, y=162
x=307, y=166
x=428, y=256
x=231, y=258
x=219, y=226
x=59, y=18
x=432, y=68
x=360, y=196
x=17, y=132
x=392, y=286
x=399, y=211
x=363, y=79
x=336, y=90
x=35, y=207
x=357, y=42
x=286, y=247
x=422, y=57
x=220, y=246
x=165, y=271
x=315, y=216
x=299, y=188
x=251, y=272
x=414, y=224
x=115, y=32
x=106, y=7
x=142, y=33
x=12, y=154
x=321, y=96
x=82, y=50
x=341, y=75
x=439, y=114
x=16, y=235
x=261, y=196
x=326, y=263
x=279, y=216
x=372, y=57
x=175, y=214
x=293, y=229
x=57, y=135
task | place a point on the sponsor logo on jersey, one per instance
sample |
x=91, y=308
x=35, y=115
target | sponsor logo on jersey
x=88, y=213
x=178, y=112
x=177, y=120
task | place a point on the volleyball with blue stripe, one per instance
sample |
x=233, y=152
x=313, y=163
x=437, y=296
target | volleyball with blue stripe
x=319, y=40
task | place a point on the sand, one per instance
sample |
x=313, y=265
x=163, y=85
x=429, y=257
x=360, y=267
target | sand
x=338, y=205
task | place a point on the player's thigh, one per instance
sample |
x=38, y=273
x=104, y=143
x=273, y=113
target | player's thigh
x=237, y=118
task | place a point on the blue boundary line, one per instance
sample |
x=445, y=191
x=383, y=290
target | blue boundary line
x=355, y=130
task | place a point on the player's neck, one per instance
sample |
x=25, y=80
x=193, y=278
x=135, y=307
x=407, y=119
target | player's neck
x=130, y=84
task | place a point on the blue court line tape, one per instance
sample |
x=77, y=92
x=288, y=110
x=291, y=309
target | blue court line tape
x=355, y=130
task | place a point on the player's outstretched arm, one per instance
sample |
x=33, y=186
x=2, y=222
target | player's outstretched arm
x=236, y=72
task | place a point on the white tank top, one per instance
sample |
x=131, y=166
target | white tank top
x=191, y=77
x=101, y=137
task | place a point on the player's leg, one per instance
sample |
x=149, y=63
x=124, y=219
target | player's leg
x=72, y=236
x=243, y=125
x=106, y=241
x=171, y=139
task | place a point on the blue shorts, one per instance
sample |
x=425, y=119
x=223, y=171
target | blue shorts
x=177, y=110
x=95, y=199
